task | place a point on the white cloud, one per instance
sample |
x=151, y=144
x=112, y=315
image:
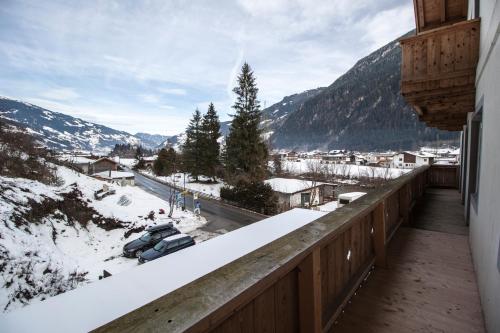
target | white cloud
x=150, y=98
x=60, y=94
x=161, y=56
x=173, y=91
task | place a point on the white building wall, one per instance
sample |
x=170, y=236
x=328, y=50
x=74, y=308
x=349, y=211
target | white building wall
x=485, y=220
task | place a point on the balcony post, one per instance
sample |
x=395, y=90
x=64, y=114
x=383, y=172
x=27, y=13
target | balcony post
x=309, y=279
x=379, y=235
x=404, y=204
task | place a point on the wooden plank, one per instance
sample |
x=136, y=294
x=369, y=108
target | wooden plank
x=240, y=322
x=420, y=14
x=339, y=264
x=332, y=281
x=309, y=279
x=379, y=235
x=408, y=296
x=355, y=246
x=346, y=253
x=286, y=306
x=443, y=11
x=264, y=312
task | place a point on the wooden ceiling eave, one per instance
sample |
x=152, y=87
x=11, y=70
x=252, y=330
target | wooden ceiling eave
x=438, y=67
x=430, y=14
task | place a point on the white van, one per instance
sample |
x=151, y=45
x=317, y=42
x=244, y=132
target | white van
x=346, y=198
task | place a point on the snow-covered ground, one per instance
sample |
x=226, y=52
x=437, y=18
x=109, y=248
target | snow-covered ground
x=204, y=186
x=343, y=170
x=328, y=207
x=49, y=253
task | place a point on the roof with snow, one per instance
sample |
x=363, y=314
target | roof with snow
x=351, y=195
x=77, y=159
x=286, y=185
x=174, y=237
x=114, y=174
x=91, y=306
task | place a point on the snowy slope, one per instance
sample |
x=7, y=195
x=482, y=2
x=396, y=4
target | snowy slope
x=49, y=246
x=63, y=132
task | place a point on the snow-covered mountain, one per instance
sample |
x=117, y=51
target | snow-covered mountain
x=151, y=140
x=64, y=132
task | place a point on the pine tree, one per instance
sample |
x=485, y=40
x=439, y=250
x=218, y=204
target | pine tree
x=278, y=168
x=192, y=149
x=211, y=147
x=246, y=153
x=166, y=163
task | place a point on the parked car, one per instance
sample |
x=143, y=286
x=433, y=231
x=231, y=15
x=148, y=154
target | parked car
x=168, y=245
x=149, y=239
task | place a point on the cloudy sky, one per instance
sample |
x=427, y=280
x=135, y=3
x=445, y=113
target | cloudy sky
x=146, y=65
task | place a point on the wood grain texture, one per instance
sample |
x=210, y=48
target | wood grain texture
x=429, y=285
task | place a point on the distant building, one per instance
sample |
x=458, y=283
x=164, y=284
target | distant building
x=334, y=158
x=380, y=159
x=149, y=161
x=103, y=164
x=116, y=177
x=294, y=193
x=409, y=160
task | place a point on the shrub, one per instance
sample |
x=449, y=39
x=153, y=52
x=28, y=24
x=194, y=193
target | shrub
x=256, y=196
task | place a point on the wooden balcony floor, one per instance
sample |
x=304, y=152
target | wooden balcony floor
x=429, y=284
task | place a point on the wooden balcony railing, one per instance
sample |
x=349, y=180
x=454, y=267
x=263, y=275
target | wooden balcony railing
x=298, y=283
x=446, y=176
x=438, y=71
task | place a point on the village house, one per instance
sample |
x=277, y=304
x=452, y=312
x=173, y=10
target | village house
x=103, y=164
x=334, y=158
x=149, y=161
x=294, y=193
x=380, y=159
x=409, y=160
x=81, y=162
x=116, y=177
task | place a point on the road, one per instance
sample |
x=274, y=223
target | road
x=221, y=218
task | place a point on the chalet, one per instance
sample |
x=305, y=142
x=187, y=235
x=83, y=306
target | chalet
x=292, y=156
x=149, y=161
x=116, y=177
x=103, y=164
x=357, y=159
x=334, y=158
x=409, y=160
x=300, y=193
x=81, y=162
x=380, y=159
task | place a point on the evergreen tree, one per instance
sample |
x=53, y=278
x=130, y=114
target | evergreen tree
x=246, y=153
x=278, y=168
x=193, y=147
x=211, y=147
x=166, y=163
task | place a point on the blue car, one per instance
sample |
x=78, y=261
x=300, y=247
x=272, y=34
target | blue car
x=168, y=245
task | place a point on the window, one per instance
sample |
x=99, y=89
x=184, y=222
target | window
x=476, y=132
x=184, y=241
x=172, y=244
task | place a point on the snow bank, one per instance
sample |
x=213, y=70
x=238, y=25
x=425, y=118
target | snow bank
x=52, y=254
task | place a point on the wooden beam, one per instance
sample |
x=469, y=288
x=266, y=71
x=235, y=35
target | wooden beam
x=443, y=11
x=379, y=234
x=310, y=293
